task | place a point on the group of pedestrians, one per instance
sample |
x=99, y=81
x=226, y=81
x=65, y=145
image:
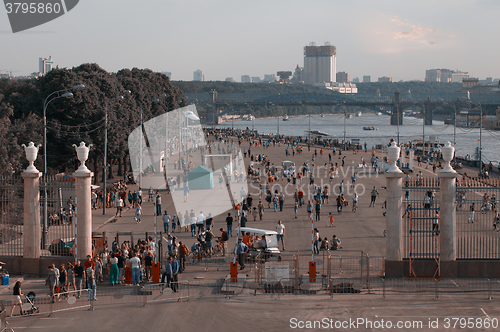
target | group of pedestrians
x=74, y=275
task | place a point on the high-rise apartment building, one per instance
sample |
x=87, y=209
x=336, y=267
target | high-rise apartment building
x=320, y=64
x=385, y=79
x=445, y=75
x=342, y=77
x=198, y=75
x=45, y=65
x=367, y=79
x=167, y=73
x=269, y=78
x=246, y=79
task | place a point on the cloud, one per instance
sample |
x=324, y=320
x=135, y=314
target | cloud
x=414, y=32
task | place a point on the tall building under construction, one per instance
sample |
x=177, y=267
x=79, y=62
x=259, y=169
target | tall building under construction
x=320, y=64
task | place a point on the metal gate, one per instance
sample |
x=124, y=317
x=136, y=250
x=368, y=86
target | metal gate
x=11, y=215
x=477, y=233
x=58, y=229
x=420, y=210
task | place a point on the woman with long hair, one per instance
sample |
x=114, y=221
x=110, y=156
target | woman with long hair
x=113, y=270
x=63, y=279
x=17, y=299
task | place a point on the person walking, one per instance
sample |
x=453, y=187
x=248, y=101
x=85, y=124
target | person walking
x=166, y=221
x=90, y=281
x=241, y=250
x=229, y=224
x=309, y=209
x=281, y=201
x=52, y=281
x=471, y=215
x=183, y=253
x=332, y=221
x=261, y=210
x=158, y=203
x=318, y=210
x=119, y=207
x=374, y=196
x=280, y=229
x=79, y=275
x=17, y=299
x=435, y=223
x=138, y=212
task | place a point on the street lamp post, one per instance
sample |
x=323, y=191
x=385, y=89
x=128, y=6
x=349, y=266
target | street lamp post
x=152, y=100
x=55, y=95
x=480, y=138
x=165, y=154
x=105, y=168
x=345, y=116
x=397, y=107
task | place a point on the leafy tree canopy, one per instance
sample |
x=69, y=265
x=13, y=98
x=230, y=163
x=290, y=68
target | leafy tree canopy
x=80, y=118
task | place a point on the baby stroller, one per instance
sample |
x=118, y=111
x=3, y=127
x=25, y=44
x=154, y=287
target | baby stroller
x=29, y=308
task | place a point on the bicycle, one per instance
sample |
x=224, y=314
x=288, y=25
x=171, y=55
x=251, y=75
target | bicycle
x=354, y=206
x=219, y=249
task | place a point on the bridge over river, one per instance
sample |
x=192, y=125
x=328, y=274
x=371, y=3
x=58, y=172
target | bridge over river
x=218, y=104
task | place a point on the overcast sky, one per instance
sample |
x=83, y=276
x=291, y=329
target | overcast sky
x=230, y=38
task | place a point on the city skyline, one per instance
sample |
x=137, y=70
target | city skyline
x=226, y=39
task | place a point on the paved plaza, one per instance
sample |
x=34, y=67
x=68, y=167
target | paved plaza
x=361, y=231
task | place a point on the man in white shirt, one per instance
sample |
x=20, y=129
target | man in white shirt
x=280, y=229
x=119, y=207
x=166, y=221
x=139, y=195
x=200, y=220
x=136, y=269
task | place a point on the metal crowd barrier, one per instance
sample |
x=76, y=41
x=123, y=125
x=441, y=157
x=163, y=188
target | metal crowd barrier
x=421, y=289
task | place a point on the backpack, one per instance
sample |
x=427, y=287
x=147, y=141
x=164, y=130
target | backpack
x=184, y=250
x=225, y=236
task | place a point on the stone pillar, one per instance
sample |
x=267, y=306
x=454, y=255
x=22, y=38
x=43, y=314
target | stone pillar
x=447, y=215
x=31, y=231
x=394, y=222
x=83, y=181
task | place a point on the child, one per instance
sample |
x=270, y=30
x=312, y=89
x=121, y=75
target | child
x=331, y=219
x=296, y=208
x=254, y=213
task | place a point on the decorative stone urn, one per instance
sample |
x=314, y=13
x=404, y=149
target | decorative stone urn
x=82, y=153
x=392, y=157
x=31, y=153
x=447, y=151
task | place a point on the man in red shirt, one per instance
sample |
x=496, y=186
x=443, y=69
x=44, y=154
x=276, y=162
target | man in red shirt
x=301, y=197
x=89, y=262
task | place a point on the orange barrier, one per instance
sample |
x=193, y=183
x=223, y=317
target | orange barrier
x=312, y=271
x=234, y=272
x=156, y=272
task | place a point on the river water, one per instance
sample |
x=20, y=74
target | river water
x=467, y=140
